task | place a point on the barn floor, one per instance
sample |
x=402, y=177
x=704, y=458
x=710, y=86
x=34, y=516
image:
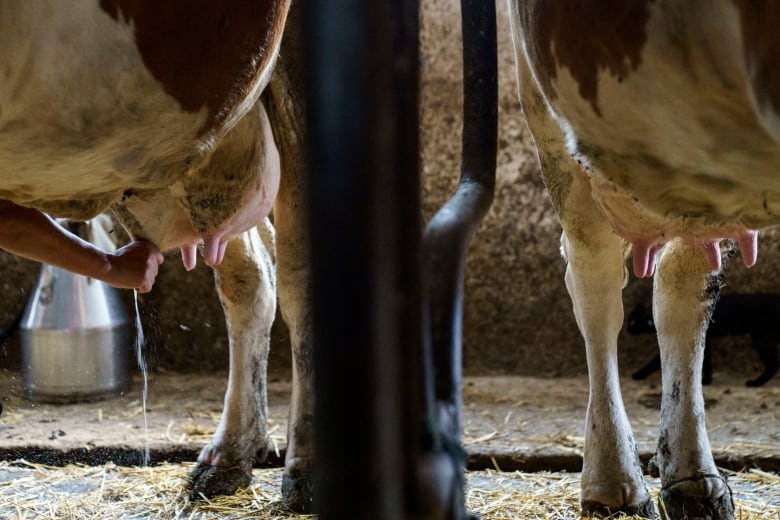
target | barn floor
x=112, y=492
x=512, y=423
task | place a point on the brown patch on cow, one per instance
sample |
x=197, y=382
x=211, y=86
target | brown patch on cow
x=584, y=36
x=204, y=53
x=761, y=46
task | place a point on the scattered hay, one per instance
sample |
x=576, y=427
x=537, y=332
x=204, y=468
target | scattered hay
x=555, y=496
x=77, y=492
x=30, y=491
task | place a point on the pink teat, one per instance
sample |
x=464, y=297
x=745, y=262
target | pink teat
x=645, y=252
x=644, y=256
x=214, y=247
x=748, y=247
x=189, y=256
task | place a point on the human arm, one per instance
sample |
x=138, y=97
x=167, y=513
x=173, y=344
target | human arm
x=31, y=234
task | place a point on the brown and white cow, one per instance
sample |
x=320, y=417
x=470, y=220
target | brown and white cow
x=657, y=124
x=150, y=110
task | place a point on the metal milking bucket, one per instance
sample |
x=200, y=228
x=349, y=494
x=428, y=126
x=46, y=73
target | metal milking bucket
x=75, y=339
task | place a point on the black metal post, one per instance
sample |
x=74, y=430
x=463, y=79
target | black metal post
x=365, y=232
x=386, y=434
x=449, y=233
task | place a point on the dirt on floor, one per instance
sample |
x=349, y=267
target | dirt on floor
x=511, y=423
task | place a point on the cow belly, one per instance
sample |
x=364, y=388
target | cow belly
x=79, y=112
x=93, y=115
x=668, y=169
x=686, y=156
x=39, y=164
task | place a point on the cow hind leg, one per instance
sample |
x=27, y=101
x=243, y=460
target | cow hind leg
x=295, y=303
x=684, y=293
x=612, y=480
x=246, y=286
x=290, y=221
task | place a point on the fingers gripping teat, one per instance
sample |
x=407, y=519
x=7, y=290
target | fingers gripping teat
x=645, y=253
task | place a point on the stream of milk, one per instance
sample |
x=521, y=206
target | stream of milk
x=139, y=343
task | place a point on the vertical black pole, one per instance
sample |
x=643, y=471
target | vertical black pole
x=449, y=233
x=365, y=258
x=383, y=449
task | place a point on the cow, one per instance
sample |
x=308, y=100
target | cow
x=657, y=127
x=152, y=112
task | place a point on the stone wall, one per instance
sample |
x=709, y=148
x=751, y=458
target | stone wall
x=517, y=313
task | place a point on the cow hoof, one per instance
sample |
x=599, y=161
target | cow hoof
x=223, y=467
x=210, y=481
x=705, y=497
x=596, y=510
x=298, y=493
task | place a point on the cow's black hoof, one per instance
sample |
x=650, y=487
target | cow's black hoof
x=596, y=510
x=210, y=481
x=677, y=502
x=298, y=493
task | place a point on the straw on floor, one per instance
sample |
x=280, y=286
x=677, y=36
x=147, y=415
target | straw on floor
x=30, y=491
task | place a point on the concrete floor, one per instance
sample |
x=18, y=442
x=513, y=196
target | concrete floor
x=511, y=423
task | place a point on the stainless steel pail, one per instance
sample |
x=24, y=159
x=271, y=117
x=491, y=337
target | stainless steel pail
x=75, y=339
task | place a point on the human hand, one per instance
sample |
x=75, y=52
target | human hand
x=134, y=266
